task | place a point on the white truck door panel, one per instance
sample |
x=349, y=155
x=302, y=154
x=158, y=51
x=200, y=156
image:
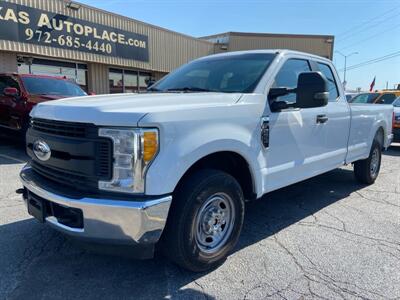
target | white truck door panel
x=338, y=124
x=297, y=140
x=337, y=133
x=297, y=149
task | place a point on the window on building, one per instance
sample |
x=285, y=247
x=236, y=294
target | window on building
x=128, y=81
x=144, y=79
x=332, y=86
x=116, y=81
x=288, y=76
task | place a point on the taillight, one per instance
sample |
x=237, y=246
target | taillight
x=396, y=121
x=393, y=119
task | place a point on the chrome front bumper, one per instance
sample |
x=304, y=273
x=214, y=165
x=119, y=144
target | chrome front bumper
x=105, y=220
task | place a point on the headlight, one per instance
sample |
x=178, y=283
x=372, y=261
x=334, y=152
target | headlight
x=134, y=150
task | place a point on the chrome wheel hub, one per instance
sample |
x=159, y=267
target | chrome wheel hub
x=214, y=222
x=374, y=163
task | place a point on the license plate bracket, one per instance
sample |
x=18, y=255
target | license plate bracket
x=36, y=208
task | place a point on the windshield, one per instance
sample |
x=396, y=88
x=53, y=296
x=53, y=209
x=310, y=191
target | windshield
x=52, y=86
x=227, y=74
x=396, y=102
x=365, y=98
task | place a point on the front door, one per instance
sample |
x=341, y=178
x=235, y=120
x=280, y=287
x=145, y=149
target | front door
x=297, y=136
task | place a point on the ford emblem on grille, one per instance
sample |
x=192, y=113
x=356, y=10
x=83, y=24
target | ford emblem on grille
x=42, y=150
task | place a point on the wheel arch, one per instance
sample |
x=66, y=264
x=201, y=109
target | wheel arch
x=380, y=135
x=230, y=162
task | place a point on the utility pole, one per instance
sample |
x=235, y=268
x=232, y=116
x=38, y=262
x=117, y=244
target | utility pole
x=345, y=64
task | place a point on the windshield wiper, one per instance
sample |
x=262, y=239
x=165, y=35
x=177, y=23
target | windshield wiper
x=189, y=89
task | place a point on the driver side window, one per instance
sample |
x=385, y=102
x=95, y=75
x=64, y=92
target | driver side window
x=288, y=75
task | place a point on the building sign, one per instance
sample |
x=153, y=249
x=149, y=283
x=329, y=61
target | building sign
x=30, y=25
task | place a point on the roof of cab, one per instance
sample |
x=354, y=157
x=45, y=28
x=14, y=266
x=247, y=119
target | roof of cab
x=266, y=51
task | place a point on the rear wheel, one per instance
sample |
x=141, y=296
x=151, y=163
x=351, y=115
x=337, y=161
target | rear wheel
x=367, y=170
x=205, y=220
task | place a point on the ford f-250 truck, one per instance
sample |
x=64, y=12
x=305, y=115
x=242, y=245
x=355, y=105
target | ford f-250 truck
x=173, y=167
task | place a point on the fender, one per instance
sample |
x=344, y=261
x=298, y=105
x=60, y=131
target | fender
x=378, y=124
x=177, y=156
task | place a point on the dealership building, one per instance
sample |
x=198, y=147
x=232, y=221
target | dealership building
x=108, y=53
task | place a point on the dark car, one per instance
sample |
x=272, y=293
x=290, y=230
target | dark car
x=20, y=93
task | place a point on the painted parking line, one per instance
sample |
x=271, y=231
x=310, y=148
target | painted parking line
x=12, y=158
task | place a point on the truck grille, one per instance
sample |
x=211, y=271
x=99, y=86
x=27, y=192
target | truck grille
x=59, y=128
x=79, y=159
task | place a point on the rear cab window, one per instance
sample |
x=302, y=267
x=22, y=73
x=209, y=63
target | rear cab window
x=332, y=85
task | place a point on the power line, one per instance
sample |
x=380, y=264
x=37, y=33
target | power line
x=373, y=61
x=371, y=37
x=352, y=30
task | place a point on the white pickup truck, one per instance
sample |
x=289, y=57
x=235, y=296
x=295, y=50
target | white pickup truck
x=173, y=167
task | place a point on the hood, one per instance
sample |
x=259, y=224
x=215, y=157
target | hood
x=126, y=109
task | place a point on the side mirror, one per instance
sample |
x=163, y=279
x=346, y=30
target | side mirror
x=279, y=105
x=92, y=94
x=11, y=92
x=312, y=90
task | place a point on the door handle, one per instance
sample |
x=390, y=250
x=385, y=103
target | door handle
x=321, y=119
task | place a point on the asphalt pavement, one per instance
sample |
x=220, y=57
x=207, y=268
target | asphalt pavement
x=325, y=238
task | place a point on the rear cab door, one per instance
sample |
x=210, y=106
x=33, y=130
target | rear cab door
x=337, y=128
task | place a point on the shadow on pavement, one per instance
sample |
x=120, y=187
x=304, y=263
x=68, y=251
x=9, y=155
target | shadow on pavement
x=394, y=150
x=12, y=151
x=48, y=266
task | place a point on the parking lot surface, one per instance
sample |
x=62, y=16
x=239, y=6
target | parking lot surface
x=328, y=238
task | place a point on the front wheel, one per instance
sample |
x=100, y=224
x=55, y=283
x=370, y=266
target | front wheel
x=367, y=170
x=205, y=221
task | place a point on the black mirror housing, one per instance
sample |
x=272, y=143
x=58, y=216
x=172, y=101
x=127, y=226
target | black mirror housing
x=279, y=105
x=312, y=90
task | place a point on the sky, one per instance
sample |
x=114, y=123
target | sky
x=370, y=28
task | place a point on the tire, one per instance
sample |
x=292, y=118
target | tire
x=367, y=170
x=199, y=202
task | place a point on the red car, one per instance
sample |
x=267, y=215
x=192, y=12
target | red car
x=20, y=93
